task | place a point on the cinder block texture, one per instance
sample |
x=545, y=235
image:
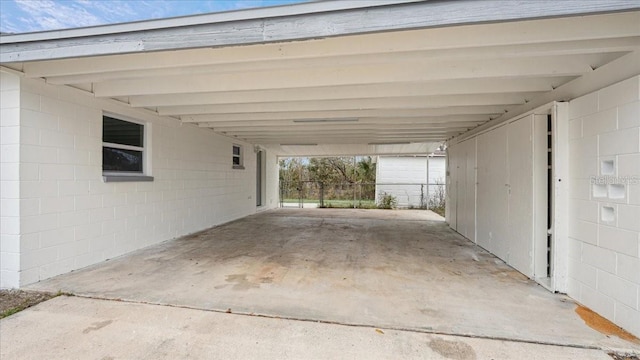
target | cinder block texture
x=604, y=273
x=72, y=218
x=9, y=180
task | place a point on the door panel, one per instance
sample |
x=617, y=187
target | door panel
x=492, y=192
x=520, y=218
x=470, y=211
x=452, y=193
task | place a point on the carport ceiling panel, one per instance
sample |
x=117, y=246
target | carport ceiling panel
x=452, y=112
x=426, y=71
x=416, y=85
x=409, y=102
x=369, y=91
x=522, y=38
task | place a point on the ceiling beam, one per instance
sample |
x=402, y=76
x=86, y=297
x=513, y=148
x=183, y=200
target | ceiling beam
x=448, y=113
x=346, y=140
x=616, y=71
x=409, y=102
x=292, y=23
x=363, y=130
x=258, y=63
x=351, y=75
x=347, y=135
x=371, y=91
x=239, y=126
x=568, y=33
x=448, y=120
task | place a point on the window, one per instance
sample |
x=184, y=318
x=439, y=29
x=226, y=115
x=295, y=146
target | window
x=237, y=157
x=123, y=150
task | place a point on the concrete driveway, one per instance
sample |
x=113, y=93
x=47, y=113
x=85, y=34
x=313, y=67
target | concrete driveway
x=403, y=272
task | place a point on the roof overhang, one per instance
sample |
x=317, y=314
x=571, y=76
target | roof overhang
x=347, y=76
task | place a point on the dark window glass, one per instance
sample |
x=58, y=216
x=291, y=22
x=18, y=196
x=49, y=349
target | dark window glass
x=122, y=132
x=236, y=160
x=121, y=160
x=236, y=150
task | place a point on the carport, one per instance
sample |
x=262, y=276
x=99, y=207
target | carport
x=221, y=96
x=391, y=270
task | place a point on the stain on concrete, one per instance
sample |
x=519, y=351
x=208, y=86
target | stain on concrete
x=456, y=350
x=241, y=282
x=414, y=286
x=97, y=326
x=603, y=325
x=428, y=311
x=510, y=275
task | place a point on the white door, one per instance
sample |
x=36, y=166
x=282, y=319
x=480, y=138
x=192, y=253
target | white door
x=520, y=190
x=492, y=192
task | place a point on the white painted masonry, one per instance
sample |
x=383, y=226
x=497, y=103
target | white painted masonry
x=9, y=180
x=604, y=199
x=395, y=174
x=64, y=217
x=603, y=214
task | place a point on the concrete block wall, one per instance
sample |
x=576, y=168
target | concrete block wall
x=9, y=180
x=70, y=218
x=604, y=200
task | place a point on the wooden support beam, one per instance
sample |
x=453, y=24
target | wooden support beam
x=367, y=91
x=353, y=75
x=448, y=113
x=409, y=102
x=349, y=126
x=293, y=23
x=258, y=61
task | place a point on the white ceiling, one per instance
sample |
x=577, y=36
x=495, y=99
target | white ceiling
x=411, y=86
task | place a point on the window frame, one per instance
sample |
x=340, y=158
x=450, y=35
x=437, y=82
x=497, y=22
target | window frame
x=240, y=156
x=121, y=176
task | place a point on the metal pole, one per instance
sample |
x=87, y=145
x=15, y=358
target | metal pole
x=426, y=205
x=354, y=182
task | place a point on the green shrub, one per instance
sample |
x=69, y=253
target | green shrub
x=387, y=201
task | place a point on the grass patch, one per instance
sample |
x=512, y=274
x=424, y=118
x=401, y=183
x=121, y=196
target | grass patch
x=13, y=301
x=438, y=210
x=348, y=204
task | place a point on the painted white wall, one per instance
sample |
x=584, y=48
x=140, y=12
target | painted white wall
x=603, y=215
x=395, y=174
x=9, y=180
x=497, y=194
x=70, y=218
x=604, y=202
x=272, y=177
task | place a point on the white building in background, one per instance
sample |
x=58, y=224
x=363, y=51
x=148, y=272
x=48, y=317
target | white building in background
x=412, y=180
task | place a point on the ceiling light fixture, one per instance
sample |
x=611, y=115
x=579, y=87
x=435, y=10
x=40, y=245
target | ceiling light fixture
x=390, y=143
x=326, y=120
x=299, y=144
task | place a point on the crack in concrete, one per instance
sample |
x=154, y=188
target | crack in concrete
x=355, y=325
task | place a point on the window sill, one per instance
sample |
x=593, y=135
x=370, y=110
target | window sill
x=238, y=167
x=126, y=178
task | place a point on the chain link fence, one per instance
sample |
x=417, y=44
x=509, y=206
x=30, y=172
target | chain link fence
x=363, y=195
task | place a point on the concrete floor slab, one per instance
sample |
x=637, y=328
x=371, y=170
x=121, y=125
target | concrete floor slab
x=401, y=270
x=80, y=328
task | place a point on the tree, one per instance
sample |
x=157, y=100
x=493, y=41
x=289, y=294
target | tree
x=337, y=174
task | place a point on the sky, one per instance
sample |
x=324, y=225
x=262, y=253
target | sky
x=20, y=16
